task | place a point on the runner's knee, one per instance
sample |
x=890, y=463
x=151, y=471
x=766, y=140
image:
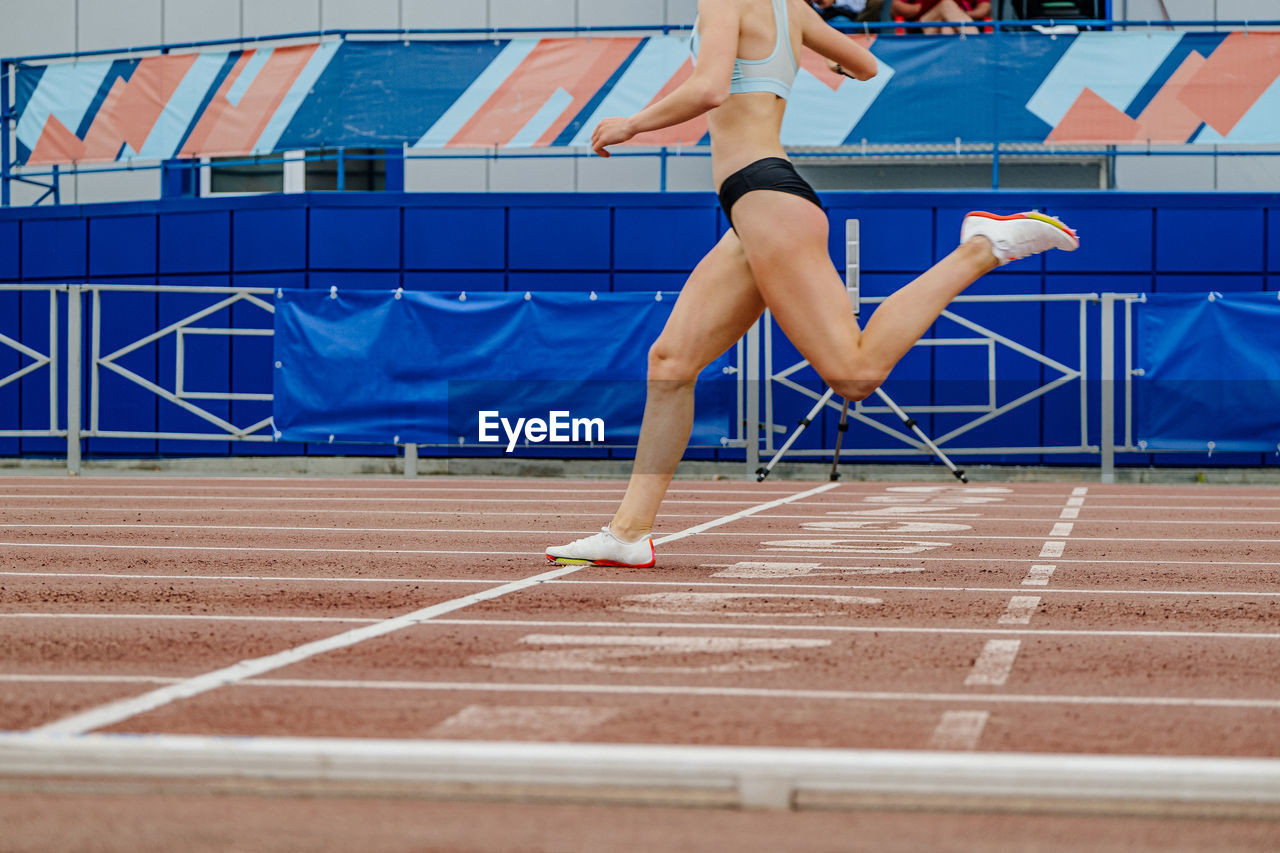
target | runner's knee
x=670, y=364
x=859, y=383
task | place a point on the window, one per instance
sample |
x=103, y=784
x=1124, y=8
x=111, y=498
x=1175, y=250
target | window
x=363, y=170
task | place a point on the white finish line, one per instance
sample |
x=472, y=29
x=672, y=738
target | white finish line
x=115, y=712
x=745, y=777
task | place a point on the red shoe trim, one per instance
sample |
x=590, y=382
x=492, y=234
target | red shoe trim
x=1056, y=223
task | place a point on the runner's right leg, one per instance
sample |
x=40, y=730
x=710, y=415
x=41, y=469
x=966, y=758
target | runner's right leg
x=717, y=306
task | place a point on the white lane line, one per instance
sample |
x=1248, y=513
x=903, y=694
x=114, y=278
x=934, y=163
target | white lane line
x=994, y=664
x=1039, y=576
x=817, y=536
x=642, y=624
x=1080, y=491
x=1077, y=501
x=265, y=578
x=193, y=617
x=353, y=500
x=1055, y=549
x=858, y=507
x=1032, y=576
x=1070, y=512
x=115, y=712
x=1110, y=522
x=33, y=678
x=614, y=490
x=959, y=730
x=494, y=553
x=1020, y=610
x=561, y=687
x=1063, y=528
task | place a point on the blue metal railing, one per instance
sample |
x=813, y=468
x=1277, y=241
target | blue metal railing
x=886, y=28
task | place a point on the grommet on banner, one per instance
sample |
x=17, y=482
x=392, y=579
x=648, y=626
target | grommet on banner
x=527, y=296
x=395, y=439
x=657, y=297
x=279, y=293
x=399, y=292
x=331, y=439
x=593, y=296
x=278, y=434
x=1211, y=446
x=1215, y=295
x=1142, y=444
x=333, y=291
x=462, y=297
x=279, y=364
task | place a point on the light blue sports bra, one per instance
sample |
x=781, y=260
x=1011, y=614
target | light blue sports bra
x=775, y=74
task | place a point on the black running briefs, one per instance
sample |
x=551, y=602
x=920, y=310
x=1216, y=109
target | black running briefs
x=771, y=173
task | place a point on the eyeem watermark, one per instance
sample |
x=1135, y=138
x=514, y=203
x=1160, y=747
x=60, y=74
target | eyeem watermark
x=558, y=428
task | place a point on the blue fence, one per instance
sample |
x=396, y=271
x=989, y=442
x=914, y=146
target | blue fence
x=1137, y=243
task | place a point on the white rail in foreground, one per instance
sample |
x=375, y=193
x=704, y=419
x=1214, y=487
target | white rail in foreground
x=743, y=777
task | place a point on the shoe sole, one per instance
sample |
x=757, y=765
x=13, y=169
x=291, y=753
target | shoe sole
x=1056, y=223
x=566, y=561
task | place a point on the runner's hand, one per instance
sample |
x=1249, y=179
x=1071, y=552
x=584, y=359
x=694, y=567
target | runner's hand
x=610, y=131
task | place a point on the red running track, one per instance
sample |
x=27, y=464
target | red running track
x=1058, y=619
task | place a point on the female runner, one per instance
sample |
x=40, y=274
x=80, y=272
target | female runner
x=775, y=253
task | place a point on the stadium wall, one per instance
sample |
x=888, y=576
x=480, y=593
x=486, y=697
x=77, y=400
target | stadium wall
x=555, y=242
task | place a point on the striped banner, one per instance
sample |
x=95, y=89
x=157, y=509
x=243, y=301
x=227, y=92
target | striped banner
x=1098, y=87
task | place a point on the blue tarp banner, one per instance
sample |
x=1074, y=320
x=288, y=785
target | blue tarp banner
x=1211, y=371
x=476, y=370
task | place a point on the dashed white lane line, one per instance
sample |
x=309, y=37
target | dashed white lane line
x=1039, y=575
x=1080, y=491
x=959, y=730
x=562, y=687
x=1020, y=610
x=1054, y=549
x=115, y=712
x=994, y=664
x=1062, y=528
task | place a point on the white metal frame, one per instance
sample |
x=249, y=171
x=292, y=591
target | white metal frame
x=40, y=360
x=992, y=409
x=756, y=379
x=178, y=396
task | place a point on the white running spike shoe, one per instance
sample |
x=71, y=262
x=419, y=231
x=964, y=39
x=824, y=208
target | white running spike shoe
x=1019, y=234
x=605, y=549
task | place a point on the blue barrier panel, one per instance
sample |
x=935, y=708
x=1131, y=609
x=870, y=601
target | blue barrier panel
x=1210, y=372
x=421, y=368
x=196, y=242
x=9, y=252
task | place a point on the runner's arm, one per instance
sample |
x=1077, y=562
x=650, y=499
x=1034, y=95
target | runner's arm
x=706, y=89
x=843, y=54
